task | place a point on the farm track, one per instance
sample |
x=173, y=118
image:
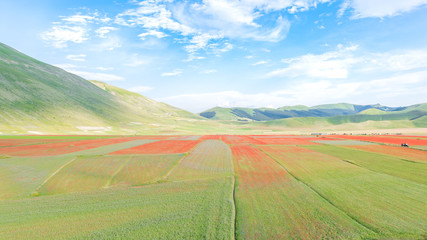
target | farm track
x=54, y=173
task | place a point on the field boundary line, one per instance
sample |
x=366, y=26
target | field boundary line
x=119, y=169
x=180, y=160
x=54, y=173
x=235, y=207
x=321, y=195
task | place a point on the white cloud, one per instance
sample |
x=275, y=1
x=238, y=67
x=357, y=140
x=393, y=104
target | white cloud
x=201, y=41
x=379, y=8
x=105, y=68
x=140, y=89
x=203, y=24
x=152, y=15
x=59, y=36
x=209, y=71
x=79, y=19
x=397, y=90
x=153, y=33
x=259, y=63
x=334, y=64
x=348, y=62
x=97, y=76
x=135, y=61
x=102, y=31
x=175, y=72
x=89, y=75
x=78, y=57
x=109, y=44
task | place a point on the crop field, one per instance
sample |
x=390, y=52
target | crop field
x=397, y=140
x=213, y=187
x=161, y=147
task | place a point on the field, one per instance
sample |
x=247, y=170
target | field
x=213, y=187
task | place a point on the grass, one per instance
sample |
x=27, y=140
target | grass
x=271, y=204
x=409, y=154
x=390, y=206
x=244, y=190
x=391, y=165
x=179, y=210
x=19, y=177
x=95, y=172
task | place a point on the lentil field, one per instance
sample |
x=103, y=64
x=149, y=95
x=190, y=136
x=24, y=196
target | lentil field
x=213, y=187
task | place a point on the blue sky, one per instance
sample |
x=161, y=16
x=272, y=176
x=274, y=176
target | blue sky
x=233, y=53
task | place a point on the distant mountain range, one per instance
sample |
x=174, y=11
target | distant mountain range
x=326, y=110
x=38, y=98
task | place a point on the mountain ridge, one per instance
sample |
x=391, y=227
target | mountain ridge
x=268, y=114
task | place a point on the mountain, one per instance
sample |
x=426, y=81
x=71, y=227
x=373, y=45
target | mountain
x=36, y=97
x=268, y=114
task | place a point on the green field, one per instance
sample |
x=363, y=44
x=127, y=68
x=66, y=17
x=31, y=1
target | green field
x=234, y=187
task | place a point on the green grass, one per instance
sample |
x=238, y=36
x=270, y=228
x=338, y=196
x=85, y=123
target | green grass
x=20, y=177
x=394, y=166
x=179, y=210
x=87, y=173
x=271, y=204
x=390, y=206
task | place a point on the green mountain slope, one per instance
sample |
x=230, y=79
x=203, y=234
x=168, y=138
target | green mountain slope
x=37, y=97
x=396, y=119
x=326, y=110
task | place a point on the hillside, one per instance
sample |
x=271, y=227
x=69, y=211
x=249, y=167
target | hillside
x=368, y=119
x=36, y=97
x=268, y=114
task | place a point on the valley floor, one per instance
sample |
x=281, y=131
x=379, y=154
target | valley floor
x=213, y=187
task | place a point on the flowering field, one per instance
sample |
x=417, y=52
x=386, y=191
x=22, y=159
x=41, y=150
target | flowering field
x=161, y=147
x=212, y=187
x=396, y=140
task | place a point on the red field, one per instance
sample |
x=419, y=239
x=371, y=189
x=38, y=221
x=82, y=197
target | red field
x=59, y=148
x=161, y=147
x=210, y=137
x=241, y=139
x=289, y=141
x=213, y=187
x=384, y=139
x=20, y=142
x=406, y=153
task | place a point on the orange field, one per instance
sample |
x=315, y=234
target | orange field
x=59, y=148
x=161, y=147
x=406, y=153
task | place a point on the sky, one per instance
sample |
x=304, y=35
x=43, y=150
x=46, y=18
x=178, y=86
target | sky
x=233, y=53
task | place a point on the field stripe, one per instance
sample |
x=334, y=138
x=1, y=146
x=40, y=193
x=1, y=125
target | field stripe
x=321, y=195
x=57, y=171
x=234, y=207
x=120, y=168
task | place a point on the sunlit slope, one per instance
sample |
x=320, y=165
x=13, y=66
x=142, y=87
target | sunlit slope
x=38, y=97
x=143, y=105
x=412, y=117
x=326, y=110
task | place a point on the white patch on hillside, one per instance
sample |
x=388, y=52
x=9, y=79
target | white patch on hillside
x=34, y=132
x=93, y=129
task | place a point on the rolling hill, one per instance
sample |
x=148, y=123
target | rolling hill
x=268, y=114
x=36, y=97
